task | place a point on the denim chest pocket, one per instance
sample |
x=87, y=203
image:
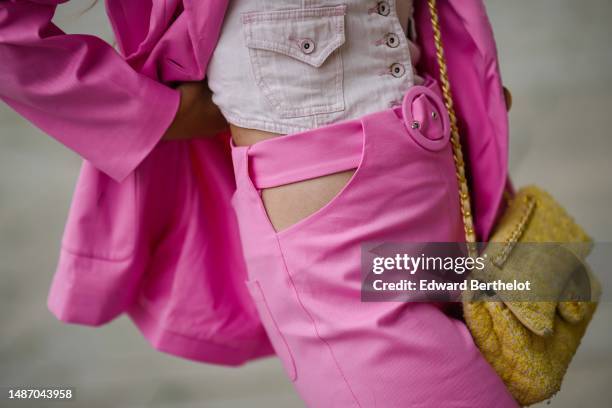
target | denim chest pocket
x=296, y=59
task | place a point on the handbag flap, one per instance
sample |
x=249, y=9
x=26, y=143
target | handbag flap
x=547, y=268
x=536, y=241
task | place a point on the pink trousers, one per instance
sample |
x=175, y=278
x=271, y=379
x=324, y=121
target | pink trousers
x=305, y=279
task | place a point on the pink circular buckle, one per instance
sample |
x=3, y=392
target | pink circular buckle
x=426, y=118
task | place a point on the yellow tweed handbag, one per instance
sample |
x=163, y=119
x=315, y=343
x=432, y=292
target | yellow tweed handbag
x=529, y=343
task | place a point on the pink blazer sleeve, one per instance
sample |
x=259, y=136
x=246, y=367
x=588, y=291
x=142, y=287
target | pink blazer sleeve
x=79, y=90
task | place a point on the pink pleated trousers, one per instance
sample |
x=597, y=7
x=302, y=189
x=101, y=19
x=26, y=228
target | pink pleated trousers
x=305, y=280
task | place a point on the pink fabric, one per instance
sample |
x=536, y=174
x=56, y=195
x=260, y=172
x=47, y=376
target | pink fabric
x=475, y=79
x=144, y=246
x=79, y=90
x=275, y=164
x=305, y=279
x=150, y=231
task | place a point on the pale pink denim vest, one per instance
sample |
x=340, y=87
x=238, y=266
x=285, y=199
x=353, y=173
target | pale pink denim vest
x=286, y=66
x=151, y=232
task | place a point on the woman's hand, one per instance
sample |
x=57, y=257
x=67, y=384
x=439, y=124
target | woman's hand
x=197, y=115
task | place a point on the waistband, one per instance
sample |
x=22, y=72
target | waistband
x=338, y=147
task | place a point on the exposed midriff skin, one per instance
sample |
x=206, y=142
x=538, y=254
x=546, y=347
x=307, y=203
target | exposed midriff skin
x=246, y=137
x=288, y=204
x=198, y=116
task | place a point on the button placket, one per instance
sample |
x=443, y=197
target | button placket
x=383, y=8
x=390, y=39
x=397, y=69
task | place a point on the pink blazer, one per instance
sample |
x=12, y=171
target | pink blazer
x=151, y=231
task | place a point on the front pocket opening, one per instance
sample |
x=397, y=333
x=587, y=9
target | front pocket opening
x=289, y=204
x=337, y=168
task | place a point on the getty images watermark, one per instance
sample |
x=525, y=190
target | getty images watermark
x=443, y=272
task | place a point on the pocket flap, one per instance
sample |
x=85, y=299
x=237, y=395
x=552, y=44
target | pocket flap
x=308, y=35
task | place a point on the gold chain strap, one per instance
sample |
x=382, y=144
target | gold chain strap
x=529, y=205
x=464, y=194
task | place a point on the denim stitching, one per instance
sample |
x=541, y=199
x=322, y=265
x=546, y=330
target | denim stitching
x=263, y=16
x=314, y=323
x=291, y=112
x=255, y=46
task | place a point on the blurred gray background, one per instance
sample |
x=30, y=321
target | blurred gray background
x=556, y=58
